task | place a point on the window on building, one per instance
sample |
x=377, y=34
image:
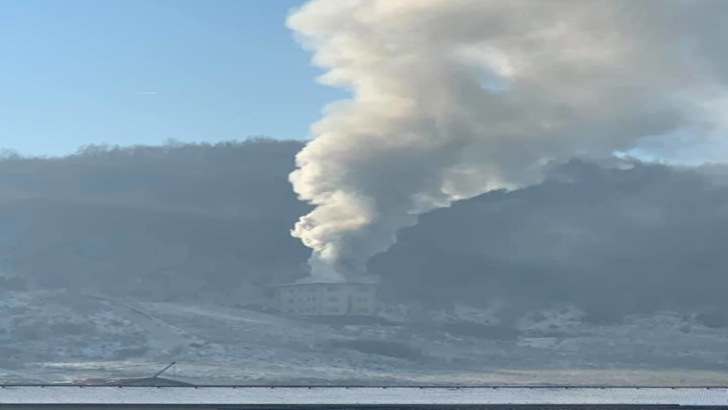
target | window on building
x=362, y=299
x=332, y=310
x=334, y=299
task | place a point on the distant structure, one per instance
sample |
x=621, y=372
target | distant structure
x=152, y=381
x=312, y=298
x=134, y=381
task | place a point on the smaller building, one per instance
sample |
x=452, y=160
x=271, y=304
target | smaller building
x=326, y=299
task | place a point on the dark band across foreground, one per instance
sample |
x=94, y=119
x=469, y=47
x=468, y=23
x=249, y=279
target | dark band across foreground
x=259, y=397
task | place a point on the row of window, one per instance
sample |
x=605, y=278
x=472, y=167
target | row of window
x=337, y=310
x=299, y=290
x=328, y=310
x=309, y=290
x=307, y=310
x=311, y=310
x=331, y=299
x=328, y=289
x=301, y=300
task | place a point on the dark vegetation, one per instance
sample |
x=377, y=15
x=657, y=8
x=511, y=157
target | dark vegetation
x=167, y=222
x=379, y=347
x=489, y=332
x=212, y=221
x=715, y=319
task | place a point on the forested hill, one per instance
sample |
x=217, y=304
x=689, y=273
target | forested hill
x=168, y=221
x=212, y=222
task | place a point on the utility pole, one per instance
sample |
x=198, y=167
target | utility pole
x=159, y=373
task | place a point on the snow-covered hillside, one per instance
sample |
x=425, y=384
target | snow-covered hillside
x=49, y=336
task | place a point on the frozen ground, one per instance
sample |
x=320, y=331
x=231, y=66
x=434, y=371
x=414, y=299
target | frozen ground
x=57, y=336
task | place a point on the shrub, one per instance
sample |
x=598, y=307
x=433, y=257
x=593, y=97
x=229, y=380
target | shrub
x=491, y=332
x=380, y=347
x=714, y=319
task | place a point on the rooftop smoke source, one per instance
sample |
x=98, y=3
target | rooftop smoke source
x=453, y=98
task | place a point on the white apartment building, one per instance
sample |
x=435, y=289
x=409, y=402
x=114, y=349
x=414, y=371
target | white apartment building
x=326, y=299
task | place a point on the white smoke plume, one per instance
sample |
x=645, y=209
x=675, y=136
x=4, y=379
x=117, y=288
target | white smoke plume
x=453, y=98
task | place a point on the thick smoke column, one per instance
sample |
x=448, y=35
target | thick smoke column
x=453, y=98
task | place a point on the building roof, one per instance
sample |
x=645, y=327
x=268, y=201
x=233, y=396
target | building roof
x=316, y=281
x=336, y=280
x=360, y=396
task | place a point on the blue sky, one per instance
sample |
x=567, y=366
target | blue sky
x=77, y=72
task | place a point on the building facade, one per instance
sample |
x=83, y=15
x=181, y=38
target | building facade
x=326, y=299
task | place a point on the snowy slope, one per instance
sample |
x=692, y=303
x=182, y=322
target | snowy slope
x=55, y=336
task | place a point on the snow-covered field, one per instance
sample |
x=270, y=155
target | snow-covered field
x=50, y=336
